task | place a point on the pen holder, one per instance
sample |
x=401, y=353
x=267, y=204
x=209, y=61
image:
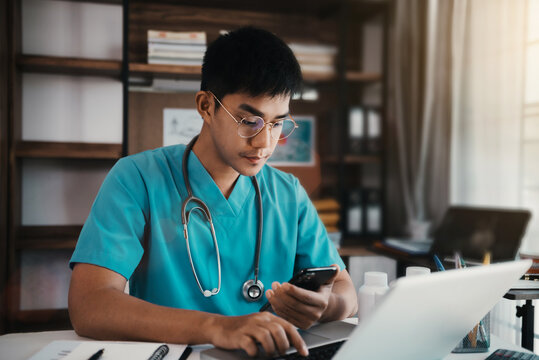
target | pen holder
x=477, y=340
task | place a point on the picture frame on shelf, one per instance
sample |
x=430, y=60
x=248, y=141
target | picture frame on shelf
x=297, y=149
x=180, y=125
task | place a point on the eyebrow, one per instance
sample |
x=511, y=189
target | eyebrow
x=256, y=112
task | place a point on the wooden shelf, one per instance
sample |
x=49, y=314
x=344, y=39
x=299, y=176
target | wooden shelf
x=361, y=11
x=363, y=77
x=352, y=159
x=71, y=66
x=109, y=2
x=349, y=250
x=193, y=72
x=47, y=237
x=158, y=70
x=320, y=8
x=67, y=150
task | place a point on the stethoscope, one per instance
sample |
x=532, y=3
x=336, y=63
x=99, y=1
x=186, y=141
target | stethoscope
x=253, y=289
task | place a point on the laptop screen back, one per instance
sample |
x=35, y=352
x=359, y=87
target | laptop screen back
x=475, y=231
x=424, y=317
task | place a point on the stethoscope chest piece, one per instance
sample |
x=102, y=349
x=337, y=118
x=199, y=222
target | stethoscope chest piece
x=252, y=291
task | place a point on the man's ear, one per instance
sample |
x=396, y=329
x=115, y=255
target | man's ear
x=205, y=105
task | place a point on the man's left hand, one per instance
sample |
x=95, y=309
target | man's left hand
x=301, y=307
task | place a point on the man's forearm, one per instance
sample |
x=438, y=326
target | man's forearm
x=342, y=302
x=113, y=315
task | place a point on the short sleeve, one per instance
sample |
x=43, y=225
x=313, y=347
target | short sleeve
x=314, y=246
x=113, y=233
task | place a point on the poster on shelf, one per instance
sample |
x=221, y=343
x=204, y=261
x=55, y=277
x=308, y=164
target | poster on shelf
x=180, y=125
x=298, y=148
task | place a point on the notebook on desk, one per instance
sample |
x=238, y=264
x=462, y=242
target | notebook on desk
x=421, y=317
x=472, y=232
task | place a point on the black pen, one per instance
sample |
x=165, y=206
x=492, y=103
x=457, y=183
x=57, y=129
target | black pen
x=97, y=355
x=160, y=353
x=186, y=353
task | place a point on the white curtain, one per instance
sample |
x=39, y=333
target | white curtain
x=419, y=120
x=488, y=81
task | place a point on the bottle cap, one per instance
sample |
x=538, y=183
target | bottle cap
x=375, y=278
x=417, y=270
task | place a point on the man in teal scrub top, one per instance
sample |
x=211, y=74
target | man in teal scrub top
x=193, y=291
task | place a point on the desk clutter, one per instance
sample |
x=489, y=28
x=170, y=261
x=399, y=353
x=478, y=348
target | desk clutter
x=329, y=213
x=478, y=339
x=109, y=350
x=504, y=354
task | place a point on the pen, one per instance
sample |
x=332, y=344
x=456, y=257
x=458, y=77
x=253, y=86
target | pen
x=186, y=353
x=159, y=353
x=486, y=259
x=97, y=355
x=438, y=263
x=458, y=263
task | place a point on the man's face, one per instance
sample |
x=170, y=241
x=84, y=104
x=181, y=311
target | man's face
x=246, y=155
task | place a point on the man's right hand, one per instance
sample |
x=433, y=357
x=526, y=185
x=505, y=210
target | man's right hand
x=244, y=332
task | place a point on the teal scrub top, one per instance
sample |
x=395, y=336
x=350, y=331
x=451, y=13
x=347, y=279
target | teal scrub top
x=135, y=229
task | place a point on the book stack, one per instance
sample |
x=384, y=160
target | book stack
x=176, y=48
x=315, y=59
x=328, y=211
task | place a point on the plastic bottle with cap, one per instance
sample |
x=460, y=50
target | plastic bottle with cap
x=417, y=270
x=371, y=292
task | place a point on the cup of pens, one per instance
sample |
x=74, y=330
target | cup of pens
x=477, y=340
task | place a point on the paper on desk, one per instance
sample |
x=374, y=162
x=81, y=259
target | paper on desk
x=82, y=350
x=56, y=350
x=525, y=285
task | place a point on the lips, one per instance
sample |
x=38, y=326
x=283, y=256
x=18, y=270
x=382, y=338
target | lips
x=255, y=158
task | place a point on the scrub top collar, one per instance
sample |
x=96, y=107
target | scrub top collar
x=205, y=188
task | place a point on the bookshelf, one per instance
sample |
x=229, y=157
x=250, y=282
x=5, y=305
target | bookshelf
x=61, y=65
x=293, y=21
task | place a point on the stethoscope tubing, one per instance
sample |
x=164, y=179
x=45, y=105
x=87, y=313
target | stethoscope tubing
x=206, y=211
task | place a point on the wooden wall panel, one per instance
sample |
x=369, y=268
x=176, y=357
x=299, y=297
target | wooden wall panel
x=146, y=128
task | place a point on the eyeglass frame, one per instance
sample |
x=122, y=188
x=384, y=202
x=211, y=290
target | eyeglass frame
x=271, y=124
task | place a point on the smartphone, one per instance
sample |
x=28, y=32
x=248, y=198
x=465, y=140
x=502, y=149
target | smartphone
x=310, y=279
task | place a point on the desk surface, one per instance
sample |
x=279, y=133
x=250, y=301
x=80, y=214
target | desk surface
x=21, y=346
x=522, y=294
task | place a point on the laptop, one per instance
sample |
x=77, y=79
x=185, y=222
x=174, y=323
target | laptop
x=472, y=232
x=419, y=318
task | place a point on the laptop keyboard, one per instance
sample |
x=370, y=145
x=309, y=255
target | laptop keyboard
x=317, y=353
x=503, y=354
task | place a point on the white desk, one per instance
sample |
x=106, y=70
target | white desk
x=20, y=346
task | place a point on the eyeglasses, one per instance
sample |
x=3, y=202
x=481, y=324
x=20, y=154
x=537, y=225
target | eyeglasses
x=252, y=125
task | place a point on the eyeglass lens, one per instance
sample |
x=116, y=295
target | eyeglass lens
x=252, y=125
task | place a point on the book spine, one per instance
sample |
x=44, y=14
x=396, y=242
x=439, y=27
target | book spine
x=171, y=61
x=152, y=46
x=185, y=37
x=176, y=54
x=313, y=49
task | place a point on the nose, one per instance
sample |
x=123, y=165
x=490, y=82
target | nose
x=263, y=138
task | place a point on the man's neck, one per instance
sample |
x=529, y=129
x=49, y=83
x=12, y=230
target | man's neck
x=224, y=176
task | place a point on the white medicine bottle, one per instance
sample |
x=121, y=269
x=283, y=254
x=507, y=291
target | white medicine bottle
x=371, y=292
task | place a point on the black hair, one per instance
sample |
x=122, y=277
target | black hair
x=250, y=60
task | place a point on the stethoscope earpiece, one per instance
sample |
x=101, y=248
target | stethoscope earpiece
x=252, y=289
